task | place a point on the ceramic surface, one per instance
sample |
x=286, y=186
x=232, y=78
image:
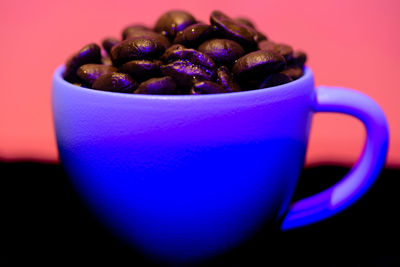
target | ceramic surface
x=188, y=177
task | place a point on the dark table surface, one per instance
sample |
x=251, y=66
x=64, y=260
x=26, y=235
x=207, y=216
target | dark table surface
x=46, y=223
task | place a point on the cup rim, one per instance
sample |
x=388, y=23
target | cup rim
x=58, y=78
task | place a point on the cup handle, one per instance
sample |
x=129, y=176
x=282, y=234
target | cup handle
x=364, y=172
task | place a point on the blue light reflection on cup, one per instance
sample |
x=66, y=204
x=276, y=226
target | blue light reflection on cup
x=188, y=177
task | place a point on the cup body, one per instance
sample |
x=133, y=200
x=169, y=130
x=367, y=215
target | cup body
x=184, y=177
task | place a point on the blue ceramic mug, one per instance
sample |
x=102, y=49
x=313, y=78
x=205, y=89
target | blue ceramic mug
x=187, y=177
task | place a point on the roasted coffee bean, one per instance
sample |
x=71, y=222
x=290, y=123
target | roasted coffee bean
x=275, y=79
x=171, y=22
x=222, y=51
x=246, y=22
x=250, y=84
x=260, y=37
x=179, y=52
x=231, y=52
x=106, y=60
x=88, y=73
x=132, y=29
x=115, y=82
x=136, y=48
x=90, y=53
x=186, y=73
x=231, y=29
x=284, y=50
x=299, y=58
x=207, y=87
x=258, y=64
x=108, y=43
x=171, y=50
x=148, y=34
x=78, y=84
x=193, y=35
x=157, y=86
x=141, y=70
x=226, y=80
x=267, y=45
x=293, y=72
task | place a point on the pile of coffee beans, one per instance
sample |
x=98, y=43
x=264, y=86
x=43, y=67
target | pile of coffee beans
x=181, y=55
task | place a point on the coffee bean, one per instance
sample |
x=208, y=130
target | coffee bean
x=141, y=70
x=148, y=34
x=88, y=73
x=260, y=37
x=293, y=72
x=108, y=43
x=250, y=84
x=106, y=60
x=173, y=48
x=245, y=21
x=230, y=53
x=258, y=64
x=186, y=73
x=266, y=45
x=222, y=51
x=90, y=53
x=226, y=80
x=231, y=29
x=284, y=50
x=115, y=82
x=132, y=29
x=207, y=87
x=171, y=22
x=78, y=84
x=299, y=58
x=275, y=79
x=179, y=52
x=158, y=86
x=193, y=35
x=135, y=48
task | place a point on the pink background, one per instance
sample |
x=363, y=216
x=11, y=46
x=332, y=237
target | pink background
x=352, y=44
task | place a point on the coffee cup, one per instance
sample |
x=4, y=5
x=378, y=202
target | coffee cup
x=188, y=177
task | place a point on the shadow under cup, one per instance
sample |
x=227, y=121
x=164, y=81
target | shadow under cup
x=184, y=177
